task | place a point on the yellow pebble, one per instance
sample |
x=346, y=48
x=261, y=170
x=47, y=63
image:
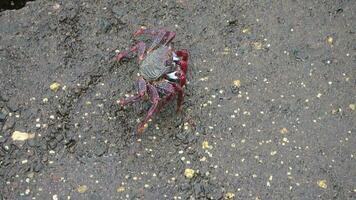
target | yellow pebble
x=322, y=184
x=284, y=130
x=237, y=83
x=54, y=86
x=82, y=188
x=120, y=189
x=229, y=195
x=22, y=136
x=189, y=173
x=352, y=106
x=205, y=145
x=330, y=40
x=246, y=30
x=257, y=45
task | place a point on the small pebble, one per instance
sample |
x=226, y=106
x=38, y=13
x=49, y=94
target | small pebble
x=189, y=173
x=237, y=83
x=322, y=184
x=82, y=188
x=205, y=145
x=283, y=131
x=330, y=40
x=21, y=136
x=120, y=189
x=54, y=86
x=229, y=195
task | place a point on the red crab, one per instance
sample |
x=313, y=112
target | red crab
x=162, y=72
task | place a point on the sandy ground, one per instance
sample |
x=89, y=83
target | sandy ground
x=269, y=110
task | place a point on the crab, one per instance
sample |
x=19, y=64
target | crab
x=162, y=72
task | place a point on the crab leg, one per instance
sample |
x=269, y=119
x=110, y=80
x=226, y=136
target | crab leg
x=180, y=99
x=139, y=47
x=141, y=92
x=169, y=92
x=154, y=97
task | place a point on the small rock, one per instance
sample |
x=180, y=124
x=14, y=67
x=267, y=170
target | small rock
x=55, y=86
x=205, y=145
x=12, y=106
x=120, y=189
x=2, y=139
x=37, y=167
x=56, y=6
x=283, y=131
x=237, y=83
x=352, y=106
x=189, y=173
x=32, y=143
x=2, y=116
x=100, y=149
x=246, y=30
x=229, y=195
x=322, y=184
x=181, y=136
x=213, y=192
x=257, y=45
x=21, y=136
x=330, y=40
x=82, y=188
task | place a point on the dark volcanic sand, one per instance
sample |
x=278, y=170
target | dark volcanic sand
x=287, y=132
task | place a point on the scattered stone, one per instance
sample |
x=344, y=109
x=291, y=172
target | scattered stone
x=100, y=149
x=82, y=188
x=22, y=136
x=322, y=184
x=27, y=191
x=56, y=6
x=283, y=130
x=205, y=145
x=246, y=30
x=12, y=105
x=229, y=195
x=237, y=83
x=189, y=173
x=54, y=86
x=2, y=116
x=352, y=106
x=330, y=40
x=257, y=45
x=120, y=189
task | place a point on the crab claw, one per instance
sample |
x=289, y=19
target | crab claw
x=139, y=31
x=179, y=109
x=141, y=128
x=119, y=57
x=120, y=102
